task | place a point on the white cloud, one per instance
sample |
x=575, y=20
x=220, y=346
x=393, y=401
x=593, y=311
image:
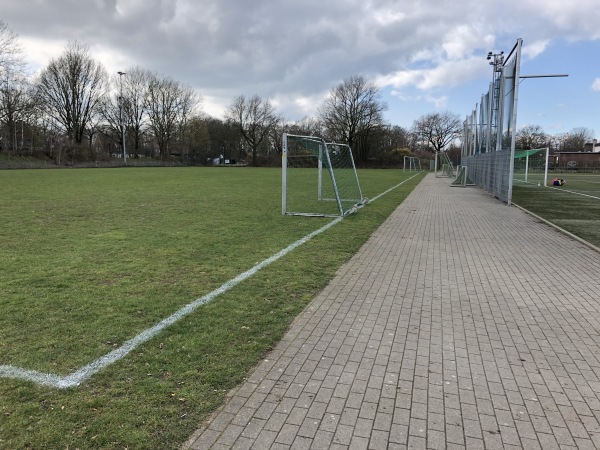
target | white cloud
x=295, y=51
x=533, y=49
x=214, y=106
x=446, y=73
x=388, y=17
x=575, y=19
x=458, y=42
x=438, y=102
x=399, y=79
x=596, y=85
x=39, y=52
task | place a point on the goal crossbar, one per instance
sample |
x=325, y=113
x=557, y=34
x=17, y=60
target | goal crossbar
x=411, y=163
x=312, y=166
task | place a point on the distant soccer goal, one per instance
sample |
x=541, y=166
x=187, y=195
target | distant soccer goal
x=531, y=166
x=462, y=177
x=412, y=164
x=443, y=165
x=318, y=178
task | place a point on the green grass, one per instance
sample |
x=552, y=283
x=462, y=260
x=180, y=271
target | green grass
x=575, y=206
x=91, y=257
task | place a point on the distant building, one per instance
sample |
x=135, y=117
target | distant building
x=588, y=160
x=593, y=146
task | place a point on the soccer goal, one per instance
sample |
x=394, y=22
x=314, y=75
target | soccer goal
x=462, y=177
x=412, y=164
x=318, y=178
x=531, y=166
x=443, y=166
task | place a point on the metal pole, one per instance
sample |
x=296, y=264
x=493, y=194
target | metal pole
x=513, y=118
x=546, y=167
x=121, y=117
x=284, y=153
x=496, y=61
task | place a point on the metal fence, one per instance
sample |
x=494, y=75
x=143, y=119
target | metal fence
x=490, y=130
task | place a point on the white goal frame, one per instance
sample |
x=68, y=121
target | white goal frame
x=526, y=167
x=333, y=172
x=412, y=164
x=443, y=165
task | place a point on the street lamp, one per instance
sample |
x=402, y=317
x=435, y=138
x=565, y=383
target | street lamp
x=496, y=61
x=121, y=117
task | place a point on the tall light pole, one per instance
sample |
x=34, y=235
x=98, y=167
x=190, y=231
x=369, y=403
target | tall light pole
x=121, y=117
x=496, y=61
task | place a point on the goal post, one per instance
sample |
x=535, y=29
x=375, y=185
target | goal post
x=318, y=178
x=412, y=164
x=443, y=165
x=531, y=166
x=462, y=177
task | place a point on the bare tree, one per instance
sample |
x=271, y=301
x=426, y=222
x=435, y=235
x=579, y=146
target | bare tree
x=531, y=136
x=575, y=140
x=255, y=118
x=394, y=136
x=135, y=82
x=135, y=94
x=436, y=131
x=169, y=105
x=351, y=112
x=11, y=53
x=110, y=110
x=389, y=145
x=16, y=107
x=70, y=89
x=275, y=142
x=195, y=140
x=224, y=139
x=15, y=98
x=307, y=126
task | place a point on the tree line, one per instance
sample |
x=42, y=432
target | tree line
x=74, y=111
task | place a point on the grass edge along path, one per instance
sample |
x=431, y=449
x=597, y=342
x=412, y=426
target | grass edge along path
x=158, y=408
x=573, y=211
x=562, y=230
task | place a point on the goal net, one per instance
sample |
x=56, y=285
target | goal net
x=412, y=164
x=531, y=166
x=462, y=177
x=443, y=166
x=318, y=178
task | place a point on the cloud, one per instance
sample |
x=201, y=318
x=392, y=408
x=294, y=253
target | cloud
x=446, y=73
x=39, y=51
x=576, y=19
x=295, y=51
x=596, y=85
x=533, y=49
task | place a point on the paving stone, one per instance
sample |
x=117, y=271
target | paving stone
x=452, y=327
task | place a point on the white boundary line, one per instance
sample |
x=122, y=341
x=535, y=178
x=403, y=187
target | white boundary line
x=394, y=187
x=572, y=192
x=566, y=190
x=76, y=378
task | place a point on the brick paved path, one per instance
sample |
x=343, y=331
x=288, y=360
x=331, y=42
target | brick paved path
x=462, y=323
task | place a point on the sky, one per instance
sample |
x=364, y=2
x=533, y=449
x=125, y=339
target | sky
x=425, y=56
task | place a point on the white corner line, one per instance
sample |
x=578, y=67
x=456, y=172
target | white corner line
x=85, y=372
x=79, y=376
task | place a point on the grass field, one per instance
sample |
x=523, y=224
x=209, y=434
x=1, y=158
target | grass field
x=575, y=206
x=91, y=257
